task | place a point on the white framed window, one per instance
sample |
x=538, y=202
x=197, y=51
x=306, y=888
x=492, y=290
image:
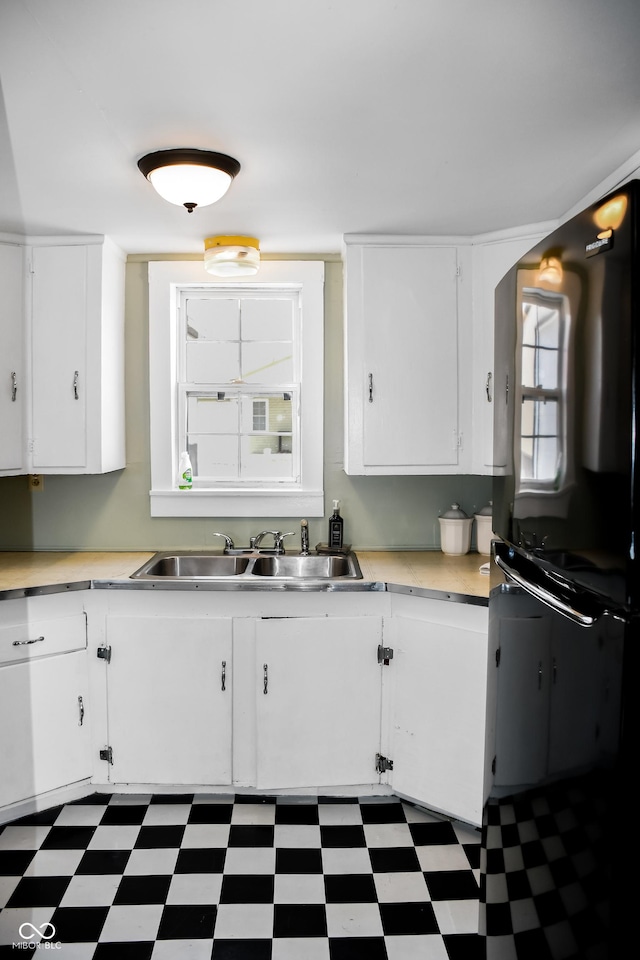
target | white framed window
x=236, y=379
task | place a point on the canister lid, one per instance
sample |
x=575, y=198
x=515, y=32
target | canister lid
x=486, y=511
x=455, y=513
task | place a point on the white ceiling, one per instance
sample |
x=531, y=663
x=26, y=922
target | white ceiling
x=348, y=116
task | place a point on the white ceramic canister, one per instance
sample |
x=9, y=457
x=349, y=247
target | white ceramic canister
x=484, y=532
x=455, y=531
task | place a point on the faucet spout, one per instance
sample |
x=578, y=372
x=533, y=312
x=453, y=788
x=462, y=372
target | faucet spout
x=304, y=538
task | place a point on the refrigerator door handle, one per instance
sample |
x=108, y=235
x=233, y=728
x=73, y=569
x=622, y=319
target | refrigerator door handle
x=585, y=617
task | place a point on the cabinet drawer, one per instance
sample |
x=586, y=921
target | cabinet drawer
x=40, y=638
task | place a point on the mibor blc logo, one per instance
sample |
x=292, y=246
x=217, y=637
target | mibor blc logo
x=37, y=937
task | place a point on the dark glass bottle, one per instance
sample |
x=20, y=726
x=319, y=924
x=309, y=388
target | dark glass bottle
x=336, y=524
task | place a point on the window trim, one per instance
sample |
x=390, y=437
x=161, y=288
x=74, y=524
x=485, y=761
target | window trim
x=283, y=499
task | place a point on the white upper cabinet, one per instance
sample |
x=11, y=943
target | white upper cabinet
x=405, y=404
x=12, y=392
x=77, y=357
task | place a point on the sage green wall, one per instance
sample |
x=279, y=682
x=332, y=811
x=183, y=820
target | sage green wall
x=111, y=512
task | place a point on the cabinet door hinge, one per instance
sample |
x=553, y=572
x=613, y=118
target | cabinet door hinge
x=107, y=754
x=498, y=654
x=385, y=654
x=383, y=763
x=104, y=653
x=458, y=270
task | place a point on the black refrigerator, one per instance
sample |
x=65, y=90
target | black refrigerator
x=558, y=835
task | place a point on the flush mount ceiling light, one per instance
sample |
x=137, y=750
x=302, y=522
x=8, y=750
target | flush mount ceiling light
x=189, y=177
x=231, y=256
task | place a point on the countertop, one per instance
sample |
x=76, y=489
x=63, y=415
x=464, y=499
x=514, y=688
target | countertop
x=428, y=571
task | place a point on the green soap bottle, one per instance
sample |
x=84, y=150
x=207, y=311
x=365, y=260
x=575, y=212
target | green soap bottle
x=336, y=525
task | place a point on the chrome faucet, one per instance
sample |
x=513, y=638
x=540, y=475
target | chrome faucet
x=304, y=538
x=278, y=537
x=228, y=542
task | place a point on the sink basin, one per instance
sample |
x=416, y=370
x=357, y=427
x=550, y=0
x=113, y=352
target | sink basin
x=311, y=567
x=191, y=566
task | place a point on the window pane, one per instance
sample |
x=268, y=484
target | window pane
x=214, y=456
x=212, y=362
x=267, y=362
x=262, y=316
x=210, y=415
x=212, y=319
x=540, y=443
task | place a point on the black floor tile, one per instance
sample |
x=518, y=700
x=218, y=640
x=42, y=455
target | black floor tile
x=68, y=838
x=467, y=946
x=103, y=861
x=242, y=950
x=124, y=951
x=424, y=834
x=408, y=919
x=250, y=798
x=350, y=888
x=79, y=924
x=13, y=863
x=93, y=798
x=126, y=813
x=342, y=836
x=297, y=813
x=143, y=889
x=472, y=851
x=382, y=812
x=247, y=889
x=451, y=885
x=299, y=920
x=201, y=860
x=357, y=948
x=187, y=922
x=394, y=859
x=172, y=798
x=42, y=818
x=39, y=892
x=152, y=838
x=298, y=860
x=260, y=835
x=211, y=813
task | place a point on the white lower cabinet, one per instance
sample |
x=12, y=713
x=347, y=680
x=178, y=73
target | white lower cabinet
x=437, y=707
x=318, y=684
x=168, y=685
x=44, y=708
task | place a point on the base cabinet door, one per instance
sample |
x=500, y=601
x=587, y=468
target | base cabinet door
x=438, y=716
x=44, y=728
x=169, y=700
x=318, y=705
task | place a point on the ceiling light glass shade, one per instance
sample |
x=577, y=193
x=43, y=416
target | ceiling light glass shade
x=188, y=177
x=231, y=256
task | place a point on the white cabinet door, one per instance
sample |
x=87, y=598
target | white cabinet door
x=77, y=358
x=318, y=701
x=12, y=381
x=438, y=717
x=44, y=725
x=169, y=699
x=401, y=346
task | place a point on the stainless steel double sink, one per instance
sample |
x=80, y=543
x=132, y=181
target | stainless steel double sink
x=189, y=565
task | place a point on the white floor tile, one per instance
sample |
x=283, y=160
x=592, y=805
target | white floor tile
x=297, y=835
x=247, y=860
x=160, y=862
x=129, y=799
x=456, y=916
x=427, y=947
x=388, y=835
x=418, y=815
x=299, y=888
x=244, y=921
x=54, y=863
x=339, y=814
x=346, y=860
x=12, y=918
x=445, y=856
x=91, y=891
x=401, y=887
x=88, y=815
x=160, y=814
x=353, y=920
x=117, y=837
x=182, y=950
x=7, y=886
x=251, y=814
x=75, y=951
x=132, y=922
x=195, y=888
x=303, y=948
x=205, y=835
x=23, y=837
x=466, y=834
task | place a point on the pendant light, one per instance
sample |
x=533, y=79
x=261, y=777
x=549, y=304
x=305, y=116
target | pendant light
x=231, y=256
x=189, y=177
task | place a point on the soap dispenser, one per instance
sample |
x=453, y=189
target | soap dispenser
x=336, y=525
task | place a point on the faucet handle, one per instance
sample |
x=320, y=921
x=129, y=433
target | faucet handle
x=228, y=542
x=279, y=537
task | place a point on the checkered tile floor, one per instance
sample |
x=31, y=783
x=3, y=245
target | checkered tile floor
x=247, y=878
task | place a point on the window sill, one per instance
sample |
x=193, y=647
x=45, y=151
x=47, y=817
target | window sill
x=237, y=503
